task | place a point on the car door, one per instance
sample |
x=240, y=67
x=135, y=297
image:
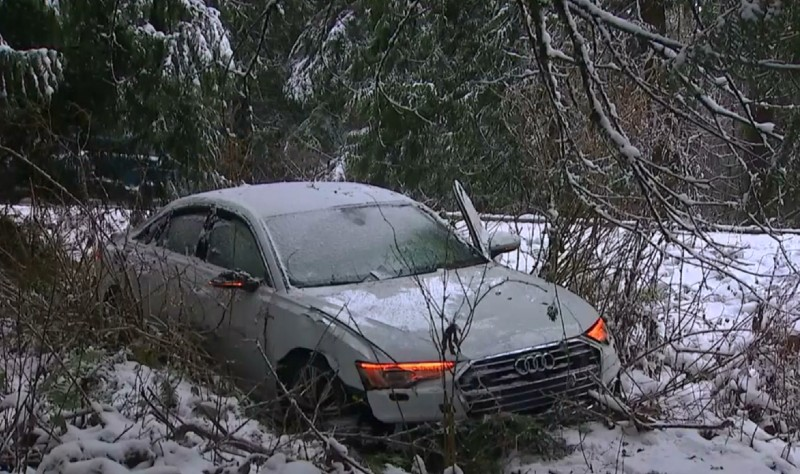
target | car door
x=477, y=231
x=177, y=264
x=145, y=265
x=235, y=317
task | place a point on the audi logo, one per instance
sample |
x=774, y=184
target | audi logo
x=535, y=363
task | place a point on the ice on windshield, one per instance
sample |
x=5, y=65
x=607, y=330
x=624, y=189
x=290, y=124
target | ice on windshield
x=361, y=243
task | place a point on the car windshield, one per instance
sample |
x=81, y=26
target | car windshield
x=354, y=244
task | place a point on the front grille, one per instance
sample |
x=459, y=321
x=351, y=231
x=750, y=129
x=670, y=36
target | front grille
x=494, y=385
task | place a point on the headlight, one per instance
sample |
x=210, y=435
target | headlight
x=400, y=375
x=598, y=332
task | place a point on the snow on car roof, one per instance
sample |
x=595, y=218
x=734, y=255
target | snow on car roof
x=273, y=199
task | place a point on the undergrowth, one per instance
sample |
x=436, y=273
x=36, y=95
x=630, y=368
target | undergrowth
x=483, y=445
x=54, y=316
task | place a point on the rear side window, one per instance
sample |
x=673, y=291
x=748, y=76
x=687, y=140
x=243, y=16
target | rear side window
x=152, y=232
x=232, y=245
x=183, y=232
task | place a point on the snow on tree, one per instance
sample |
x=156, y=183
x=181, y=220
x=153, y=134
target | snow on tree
x=152, y=76
x=700, y=82
x=28, y=71
x=33, y=72
x=653, y=110
x=413, y=88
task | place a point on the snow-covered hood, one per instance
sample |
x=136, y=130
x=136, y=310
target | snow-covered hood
x=497, y=310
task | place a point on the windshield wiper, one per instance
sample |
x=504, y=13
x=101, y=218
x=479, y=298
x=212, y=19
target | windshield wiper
x=376, y=275
x=465, y=264
x=381, y=273
x=370, y=277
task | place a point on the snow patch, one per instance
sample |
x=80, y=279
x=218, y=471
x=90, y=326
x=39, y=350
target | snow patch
x=751, y=10
x=441, y=296
x=671, y=451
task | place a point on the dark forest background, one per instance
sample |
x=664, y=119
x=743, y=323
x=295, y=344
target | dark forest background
x=682, y=110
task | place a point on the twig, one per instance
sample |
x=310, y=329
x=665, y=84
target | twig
x=328, y=442
x=237, y=443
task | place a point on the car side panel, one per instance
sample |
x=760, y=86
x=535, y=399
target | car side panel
x=135, y=270
x=610, y=364
x=293, y=326
x=181, y=306
x=246, y=336
x=234, y=322
x=290, y=325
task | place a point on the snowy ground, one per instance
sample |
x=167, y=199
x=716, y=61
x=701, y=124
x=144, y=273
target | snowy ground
x=128, y=436
x=678, y=451
x=704, y=309
x=135, y=424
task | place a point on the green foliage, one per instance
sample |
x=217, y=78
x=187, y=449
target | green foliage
x=167, y=394
x=379, y=460
x=412, y=95
x=417, y=89
x=407, y=95
x=481, y=445
x=151, y=75
x=484, y=446
x=32, y=72
x=66, y=385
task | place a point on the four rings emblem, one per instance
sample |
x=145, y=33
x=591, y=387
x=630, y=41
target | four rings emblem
x=534, y=363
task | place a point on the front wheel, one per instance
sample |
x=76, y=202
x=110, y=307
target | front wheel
x=316, y=390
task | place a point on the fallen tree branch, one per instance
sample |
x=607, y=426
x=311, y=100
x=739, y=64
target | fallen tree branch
x=221, y=439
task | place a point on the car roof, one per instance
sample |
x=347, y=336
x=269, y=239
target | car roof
x=274, y=199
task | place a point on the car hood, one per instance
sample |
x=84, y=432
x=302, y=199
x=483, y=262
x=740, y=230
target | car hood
x=494, y=308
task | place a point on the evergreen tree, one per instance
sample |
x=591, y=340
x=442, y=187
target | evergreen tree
x=147, y=76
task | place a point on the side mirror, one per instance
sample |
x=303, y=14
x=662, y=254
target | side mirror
x=503, y=242
x=235, y=280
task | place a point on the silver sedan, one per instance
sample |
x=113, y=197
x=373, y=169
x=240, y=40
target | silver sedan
x=368, y=291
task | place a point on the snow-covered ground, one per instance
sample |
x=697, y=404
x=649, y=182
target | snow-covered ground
x=671, y=451
x=710, y=370
x=141, y=420
x=139, y=412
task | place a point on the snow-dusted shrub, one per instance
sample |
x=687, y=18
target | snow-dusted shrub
x=124, y=422
x=706, y=325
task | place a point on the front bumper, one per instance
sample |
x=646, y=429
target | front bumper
x=421, y=404
x=427, y=401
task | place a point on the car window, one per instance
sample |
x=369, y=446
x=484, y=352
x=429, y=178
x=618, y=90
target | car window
x=354, y=244
x=152, y=232
x=183, y=232
x=232, y=245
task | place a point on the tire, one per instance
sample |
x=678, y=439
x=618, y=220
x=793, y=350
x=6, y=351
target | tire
x=317, y=391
